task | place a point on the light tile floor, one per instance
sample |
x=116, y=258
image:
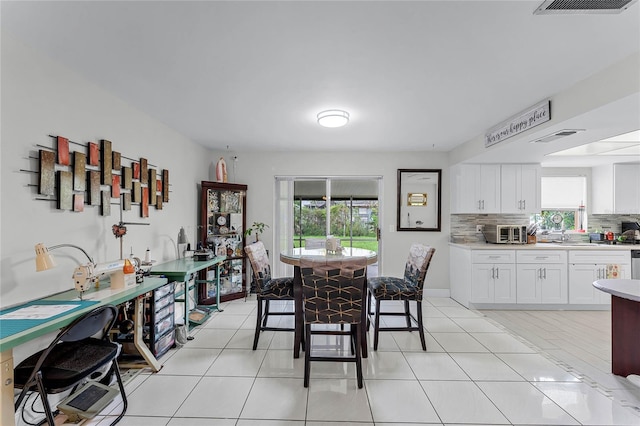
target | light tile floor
x=476, y=371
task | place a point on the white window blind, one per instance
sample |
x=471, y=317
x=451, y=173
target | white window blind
x=563, y=192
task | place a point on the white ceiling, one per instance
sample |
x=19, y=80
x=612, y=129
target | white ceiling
x=416, y=75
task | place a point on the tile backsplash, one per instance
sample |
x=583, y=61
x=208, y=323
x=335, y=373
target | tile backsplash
x=463, y=226
x=610, y=222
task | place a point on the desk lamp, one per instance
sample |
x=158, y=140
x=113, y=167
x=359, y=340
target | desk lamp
x=84, y=275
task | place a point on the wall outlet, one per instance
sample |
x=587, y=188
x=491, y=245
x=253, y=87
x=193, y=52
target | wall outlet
x=479, y=229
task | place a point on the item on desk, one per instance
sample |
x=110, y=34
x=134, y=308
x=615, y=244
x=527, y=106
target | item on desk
x=204, y=254
x=125, y=277
x=86, y=275
x=147, y=255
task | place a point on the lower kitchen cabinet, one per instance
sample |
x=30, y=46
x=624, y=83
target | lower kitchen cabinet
x=585, y=267
x=493, y=276
x=533, y=278
x=542, y=277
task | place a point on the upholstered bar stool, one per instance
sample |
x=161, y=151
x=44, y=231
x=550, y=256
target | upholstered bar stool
x=267, y=289
x=334, y=294
x=408, y=288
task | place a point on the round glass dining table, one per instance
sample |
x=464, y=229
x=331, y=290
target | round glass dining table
x=293, y=256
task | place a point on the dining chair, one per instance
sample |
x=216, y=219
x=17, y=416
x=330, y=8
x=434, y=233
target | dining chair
x=333, y=297
x=267, y=289
x=77, y=354
x=408, y=288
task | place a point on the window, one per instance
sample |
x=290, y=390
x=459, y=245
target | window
x=563, y=203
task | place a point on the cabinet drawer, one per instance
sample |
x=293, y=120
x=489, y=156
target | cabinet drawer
x=493, y=256
x=166, y=289
x=538, y=256
x=164, y=326
x=164, y=302
x=163, y=344
x=600, y=256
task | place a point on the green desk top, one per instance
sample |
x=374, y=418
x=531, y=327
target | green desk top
x=184, y=267
x=105, y=295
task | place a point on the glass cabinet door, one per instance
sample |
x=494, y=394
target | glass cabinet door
x=223, y=224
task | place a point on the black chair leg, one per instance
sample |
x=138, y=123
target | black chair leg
x=307, y=355
x=125, y=403
x=369, y=312
x=266, y=313
x=407, y=313
x=420, y=325
x=358, y=342
x=376, y=328
x=45, y=400
x=258, y=321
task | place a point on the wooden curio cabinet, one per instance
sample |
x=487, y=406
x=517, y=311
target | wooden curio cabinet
x=223, y=220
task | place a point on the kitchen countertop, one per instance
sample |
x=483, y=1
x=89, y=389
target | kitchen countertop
x=627, y=289
x=547, y=246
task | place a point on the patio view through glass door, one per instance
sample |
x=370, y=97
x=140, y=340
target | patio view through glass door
x=340, y=207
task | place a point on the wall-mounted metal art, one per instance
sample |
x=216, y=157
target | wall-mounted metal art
x=94, y=175
x=65, y=190
x=47, y=181
x=79, y=172
x=63, y=151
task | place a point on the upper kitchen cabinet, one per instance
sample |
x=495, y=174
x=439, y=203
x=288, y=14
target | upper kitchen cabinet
x=615, y=189
x=520, y=188
x=475, y=188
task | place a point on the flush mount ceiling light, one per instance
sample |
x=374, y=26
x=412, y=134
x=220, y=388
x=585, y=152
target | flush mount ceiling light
x=333, y=118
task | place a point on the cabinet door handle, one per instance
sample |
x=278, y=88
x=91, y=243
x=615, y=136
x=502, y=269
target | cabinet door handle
x=524, y=204
x=540, y=273
x=498, y=273
x=493, y=273
x=545, y=273
x=479, y=207
x=519, y=204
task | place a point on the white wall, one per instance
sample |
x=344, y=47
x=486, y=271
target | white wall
x=39, y=98
x=258, y=171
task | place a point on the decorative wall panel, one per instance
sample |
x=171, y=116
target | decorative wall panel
x=94, y=175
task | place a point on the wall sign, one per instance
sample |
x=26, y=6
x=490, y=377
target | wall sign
x=532, y=117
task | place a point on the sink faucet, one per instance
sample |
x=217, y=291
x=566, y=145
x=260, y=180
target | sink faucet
x=565, y=237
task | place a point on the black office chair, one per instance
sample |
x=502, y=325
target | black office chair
x=334, y=294
x=78, y=351
x=408, y=288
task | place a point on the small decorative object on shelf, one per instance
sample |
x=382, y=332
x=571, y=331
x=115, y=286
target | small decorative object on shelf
x=221, y=171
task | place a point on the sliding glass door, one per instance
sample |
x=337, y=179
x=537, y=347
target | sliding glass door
x=311, y=208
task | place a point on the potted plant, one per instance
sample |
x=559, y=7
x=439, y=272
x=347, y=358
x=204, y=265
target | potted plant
x=257, y=227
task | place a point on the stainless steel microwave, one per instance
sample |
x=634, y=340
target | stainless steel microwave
x=505, y=234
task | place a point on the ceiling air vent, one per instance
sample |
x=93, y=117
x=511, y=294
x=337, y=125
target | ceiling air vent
x=554, y=7
x=557, y=135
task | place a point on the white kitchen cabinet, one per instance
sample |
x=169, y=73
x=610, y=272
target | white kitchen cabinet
x=493, y=276
x=626, y=188
x=520, y=188
x=615, y=189
x=585, y=267
x=475, y=188
x=541, y=277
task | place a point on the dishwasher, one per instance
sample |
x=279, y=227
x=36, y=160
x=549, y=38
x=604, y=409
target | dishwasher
x=635, y=264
